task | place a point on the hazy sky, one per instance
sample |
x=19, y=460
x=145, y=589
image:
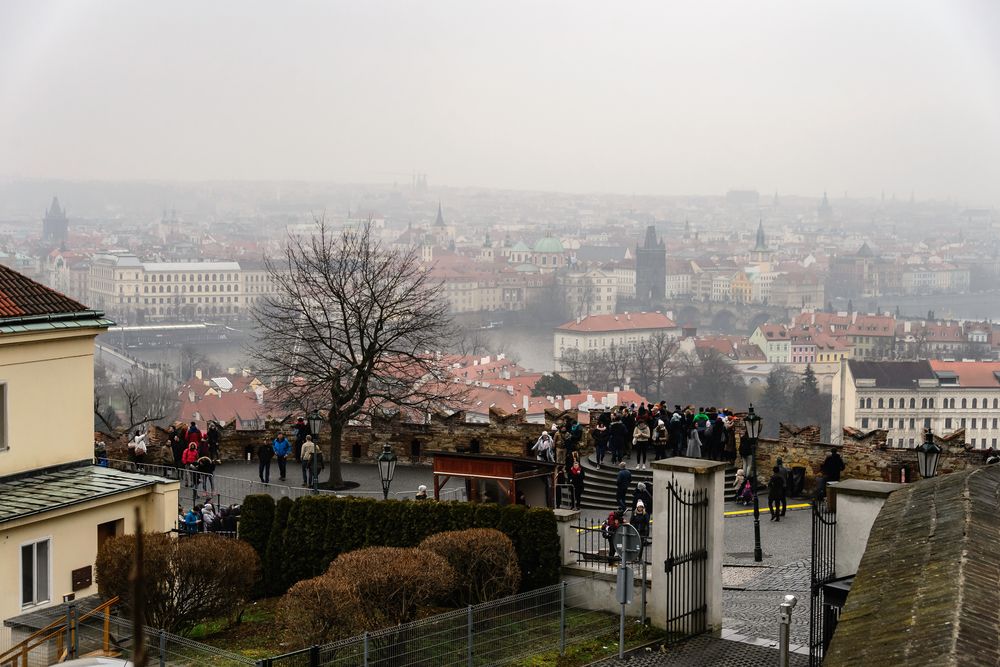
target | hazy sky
x=654, y=97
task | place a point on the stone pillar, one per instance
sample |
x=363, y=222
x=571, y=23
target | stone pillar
x=567, y=520
x=858, y=503
x=690, y=475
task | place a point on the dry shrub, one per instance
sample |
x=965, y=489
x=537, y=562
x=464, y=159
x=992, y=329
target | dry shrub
x=316, y=611
x=185, y=581
x=366, y=589
x=390, y=584
x=484, y=557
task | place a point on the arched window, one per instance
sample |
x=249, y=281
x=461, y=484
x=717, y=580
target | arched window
x=930, y=403
x=923, y=402
x=861, y=403
x=902, y=402
x=974, y=404
x=996, y=403
x=868, y=403
x=892, y=403
x=913, y=403
x=881, y=403
x=964, y=404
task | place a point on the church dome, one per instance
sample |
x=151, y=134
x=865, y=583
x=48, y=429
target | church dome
x=549, y=244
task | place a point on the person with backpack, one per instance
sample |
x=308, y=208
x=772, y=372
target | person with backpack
x=305, y=454
x=608, y=529
x=776, y=494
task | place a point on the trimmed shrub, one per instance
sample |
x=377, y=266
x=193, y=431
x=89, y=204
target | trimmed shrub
x=485, y=559
x=389, y=584
x=309, y=533
x=275, y=578
x=256, y=518
x=185, y=581
x=316, y=611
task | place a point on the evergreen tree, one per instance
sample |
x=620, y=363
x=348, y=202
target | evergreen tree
x=554, y=385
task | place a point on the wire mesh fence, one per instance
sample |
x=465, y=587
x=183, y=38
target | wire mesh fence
x=492, y=633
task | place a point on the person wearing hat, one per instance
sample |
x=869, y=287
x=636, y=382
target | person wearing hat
x=640, y=520
x=543, y=448
x=642, y=495
x=421, y=492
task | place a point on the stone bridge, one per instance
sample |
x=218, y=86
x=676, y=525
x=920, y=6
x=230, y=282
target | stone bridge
x=724, y=317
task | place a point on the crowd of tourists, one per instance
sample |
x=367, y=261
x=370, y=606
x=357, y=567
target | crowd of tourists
x=280, y=449
x=206, y=518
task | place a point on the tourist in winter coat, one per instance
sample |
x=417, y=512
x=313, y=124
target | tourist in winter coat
x=600, y=437
x=282, y=448
x=640, y=520
x=576, y=478
x=622, y=482
x=206, y=473
x=660, y=440
x=693, y=444
x=617, y=433
x=264, y=455
x=189, y=459
x=544, y=448
x=642, y=495
x=776, y=494
x=640, y=441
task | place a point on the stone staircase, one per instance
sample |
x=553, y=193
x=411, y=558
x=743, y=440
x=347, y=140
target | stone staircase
x=600, y=486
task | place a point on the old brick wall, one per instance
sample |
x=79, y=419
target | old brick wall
x=866, y=455
x=506, y=434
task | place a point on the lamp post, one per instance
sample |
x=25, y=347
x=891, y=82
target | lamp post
x=386, y=468
x=752, y=423
x=928, y=455
x=315, y=424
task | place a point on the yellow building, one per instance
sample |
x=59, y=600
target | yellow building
x=56, y=506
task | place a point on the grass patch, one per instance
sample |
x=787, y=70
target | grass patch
x=586, y=651
x=255, y=636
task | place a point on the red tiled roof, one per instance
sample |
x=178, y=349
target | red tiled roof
x=971, y=373
x=622, y=322
x=20, y=295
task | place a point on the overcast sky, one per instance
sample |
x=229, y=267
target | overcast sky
x=656, y=97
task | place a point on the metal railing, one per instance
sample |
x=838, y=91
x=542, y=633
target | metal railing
x=593, y=547
x=492, y=633
x=223, y=490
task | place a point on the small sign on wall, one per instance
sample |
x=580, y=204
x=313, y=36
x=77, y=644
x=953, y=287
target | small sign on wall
x=82, y=578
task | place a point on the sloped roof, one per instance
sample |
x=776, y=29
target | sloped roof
x=21, y=296
x=927, y=591
x=623, y=322
x=982, y=374
x=892, y=374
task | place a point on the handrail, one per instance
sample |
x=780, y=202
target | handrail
x=54, y=629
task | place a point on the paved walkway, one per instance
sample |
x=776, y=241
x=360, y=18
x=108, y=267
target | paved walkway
x=705, y=650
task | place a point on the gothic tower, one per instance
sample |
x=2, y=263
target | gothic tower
x=55, y=226
x=650, y=269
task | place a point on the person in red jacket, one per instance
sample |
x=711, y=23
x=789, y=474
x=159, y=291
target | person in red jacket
x=193, y=434
x=190, y=459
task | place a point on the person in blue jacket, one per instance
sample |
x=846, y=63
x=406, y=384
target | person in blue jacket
x=282, y=448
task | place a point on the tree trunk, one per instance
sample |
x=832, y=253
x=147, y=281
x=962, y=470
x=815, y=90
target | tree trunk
x=336, y=445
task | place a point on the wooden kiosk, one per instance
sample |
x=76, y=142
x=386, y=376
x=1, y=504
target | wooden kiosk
x=500, y=479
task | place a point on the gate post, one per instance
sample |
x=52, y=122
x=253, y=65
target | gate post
x=684, y=533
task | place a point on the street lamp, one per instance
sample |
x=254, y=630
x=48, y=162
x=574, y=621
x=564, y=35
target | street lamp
x=386, y=468
x=752, y=423
x=928, y=455
x=315, y=424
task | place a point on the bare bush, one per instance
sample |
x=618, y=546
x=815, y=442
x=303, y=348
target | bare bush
x=318, y=610
x=185, y=581
x=486, y=559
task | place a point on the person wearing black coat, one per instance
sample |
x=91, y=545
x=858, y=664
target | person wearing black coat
x=622, y=483
x=617, y=433
x=264, y=455
x=642, y=495
x=776, y=494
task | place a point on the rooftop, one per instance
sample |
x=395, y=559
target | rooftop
x=928, y=587
x=50, y=490
x=892, y=374
x=983, y=374
x=622, y=322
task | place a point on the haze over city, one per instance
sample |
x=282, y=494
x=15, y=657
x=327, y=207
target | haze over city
x=458, y=332
x=641, y=98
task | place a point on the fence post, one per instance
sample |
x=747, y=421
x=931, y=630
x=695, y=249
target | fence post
x=366, y=649
x=69, y=630
x=163, y=648
x=562, y=619
x=470, y=634
x=314, y=656
x=76, y=631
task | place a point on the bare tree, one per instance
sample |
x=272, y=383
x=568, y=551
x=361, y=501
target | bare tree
x=351, y=329
x=140, y=398
x=662, y=349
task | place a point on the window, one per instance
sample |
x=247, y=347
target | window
x=861, y=403
x=913, y=403
x=913, y=423
x=930, y=403
x=902, y=403
x=881, y=403
x=35, y=573
x=923, y=402
x=880, y=422
x=947, y=422
x=973, y=404
x=868, y=403
x=864, y=422
x=964, y=404
x=927, y=422
x=891, y=403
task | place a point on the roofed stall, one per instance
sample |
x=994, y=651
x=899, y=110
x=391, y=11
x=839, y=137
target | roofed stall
x=500, y=479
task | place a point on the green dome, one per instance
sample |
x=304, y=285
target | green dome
x=549, y=244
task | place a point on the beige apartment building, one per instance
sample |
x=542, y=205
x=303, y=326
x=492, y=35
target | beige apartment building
x=138, y=291
x=597, y=333
x=906, y=397
x=56, y=506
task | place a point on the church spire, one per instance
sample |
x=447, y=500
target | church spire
x=439, y=222
x=761, y=240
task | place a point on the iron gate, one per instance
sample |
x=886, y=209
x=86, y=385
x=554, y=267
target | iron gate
x=686, y=565
x=824, y=542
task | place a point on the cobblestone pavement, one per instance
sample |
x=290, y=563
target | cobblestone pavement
x=706, y=650
x=754, y=591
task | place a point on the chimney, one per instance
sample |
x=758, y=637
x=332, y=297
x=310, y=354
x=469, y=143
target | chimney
x=567, y=404
x=524, y=402
x=191, y=395
x=197, y=373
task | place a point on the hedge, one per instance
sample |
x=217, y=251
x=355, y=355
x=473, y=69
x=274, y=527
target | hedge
x=305, y=535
